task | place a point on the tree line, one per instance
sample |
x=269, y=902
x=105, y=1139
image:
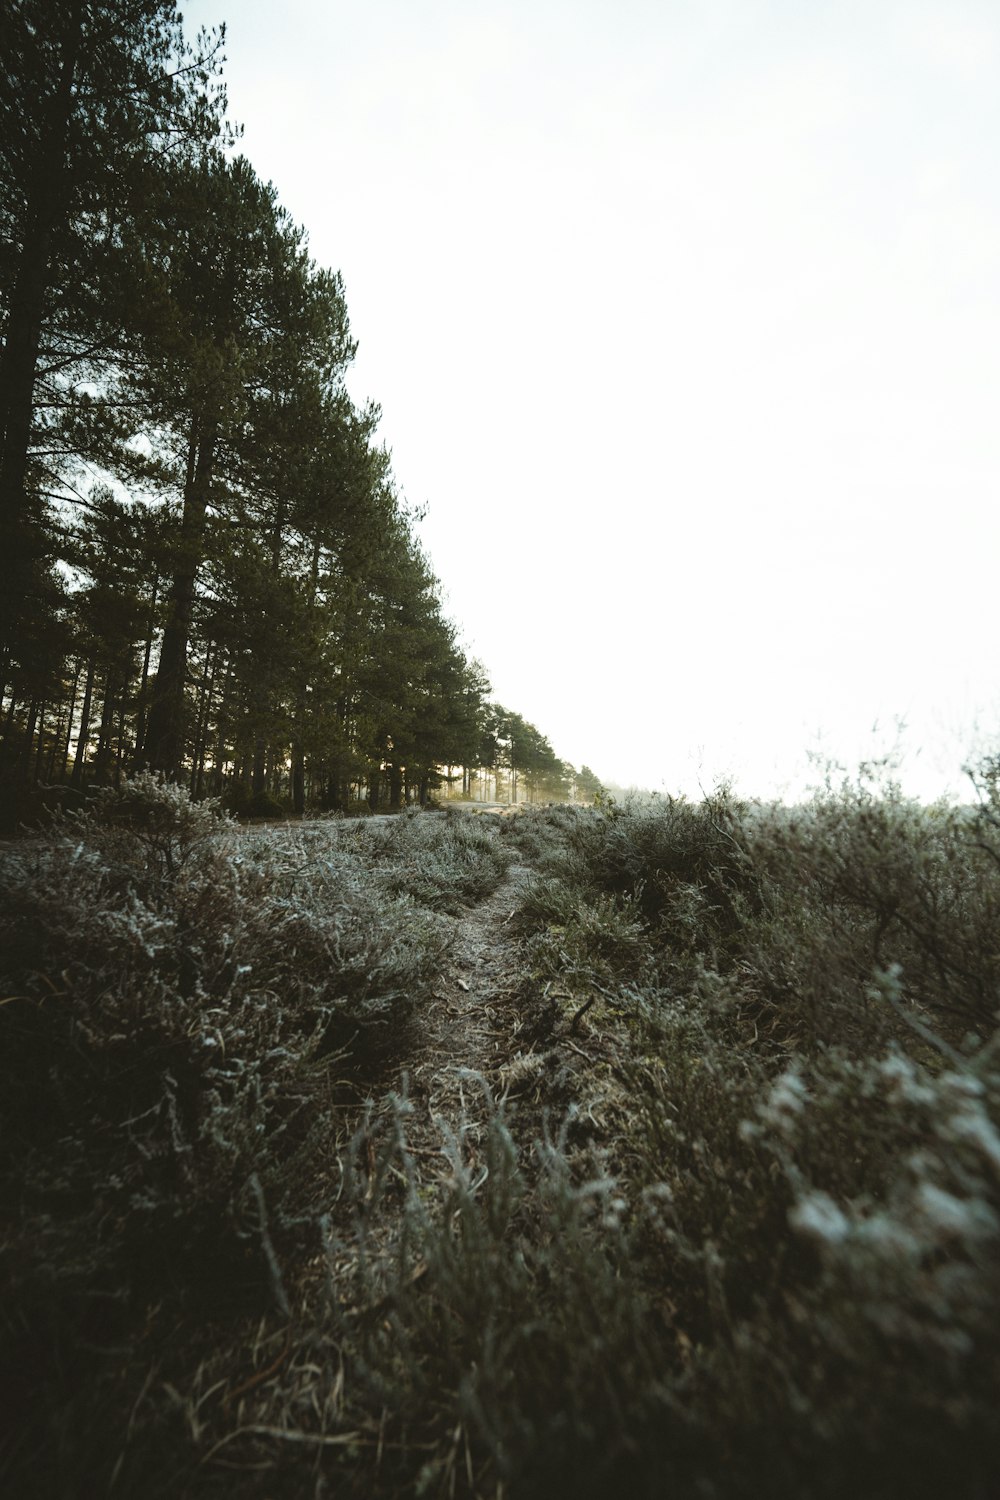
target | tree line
x=209, y=571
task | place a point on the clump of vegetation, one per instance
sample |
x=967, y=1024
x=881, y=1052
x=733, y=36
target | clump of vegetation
x=443, y=862
x=539, y=834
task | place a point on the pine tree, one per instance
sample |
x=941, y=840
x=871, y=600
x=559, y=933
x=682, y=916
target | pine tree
x=240, y=299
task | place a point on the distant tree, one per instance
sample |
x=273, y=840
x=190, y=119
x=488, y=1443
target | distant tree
x=588, y=786
x=515, y=751
x=544, y=774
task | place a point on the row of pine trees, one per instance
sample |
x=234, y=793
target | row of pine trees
x=208, y=569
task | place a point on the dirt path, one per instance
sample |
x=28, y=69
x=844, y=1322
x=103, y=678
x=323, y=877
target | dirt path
x=472, y=1024
x=469, y=1032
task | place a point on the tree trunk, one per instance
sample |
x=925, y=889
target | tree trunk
x=140, y=723
x=221, y=755
x=28, y=742
x=70, y=716
x=120, y=751
x=258, y=784
x=55, y=740
x=163, y=749
x=395, y=788
x=205, y=691
x=102, y=760
x=298, y=777
x=41, y=742
x=76, y=779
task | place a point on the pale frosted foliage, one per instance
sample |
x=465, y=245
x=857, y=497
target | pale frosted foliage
x=917, y=1261
x=444, y=863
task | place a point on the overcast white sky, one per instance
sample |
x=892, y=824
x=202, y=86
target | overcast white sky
x=684, y=319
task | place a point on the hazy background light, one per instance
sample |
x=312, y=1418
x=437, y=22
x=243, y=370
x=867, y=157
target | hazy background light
x=684, y=319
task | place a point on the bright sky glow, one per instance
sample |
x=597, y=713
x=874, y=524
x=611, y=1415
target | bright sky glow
x=684, y=319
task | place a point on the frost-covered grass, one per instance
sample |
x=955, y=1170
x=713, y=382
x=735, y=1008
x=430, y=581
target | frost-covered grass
x=444, y=861
x=182, y=1008
x=740, y=1237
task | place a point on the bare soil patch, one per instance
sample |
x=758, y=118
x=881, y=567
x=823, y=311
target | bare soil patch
x=472, y=1028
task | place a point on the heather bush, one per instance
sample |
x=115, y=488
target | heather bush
x=657, y=851
x=884, y=1360
x=870, y=878
x=539, y=834
x=513, y=1334
x=806, y=903
x=443, y=861
x=596, y=941
x=770, y=1314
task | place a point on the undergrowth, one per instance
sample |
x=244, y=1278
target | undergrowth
x=185, y=1010
x=444, y=862
x=729, y=1228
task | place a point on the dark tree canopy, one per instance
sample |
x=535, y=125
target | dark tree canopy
x=208, y=569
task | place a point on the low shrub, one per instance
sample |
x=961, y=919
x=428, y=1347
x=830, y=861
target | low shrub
x=444, y=862
x=865, y=878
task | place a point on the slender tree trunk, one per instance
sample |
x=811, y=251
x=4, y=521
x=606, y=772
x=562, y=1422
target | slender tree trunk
x=83, y=735
x=120, y=750
x=55, y=740
x=71, y=715
x=28, y=742
x=102, y=760
x=395, y=788
x=258, y=781
x=140, y=723
x=298, y=746
x=298, y=777
x=204, y=710
x=41, y=741
x=221, y=753
x=163, y=749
